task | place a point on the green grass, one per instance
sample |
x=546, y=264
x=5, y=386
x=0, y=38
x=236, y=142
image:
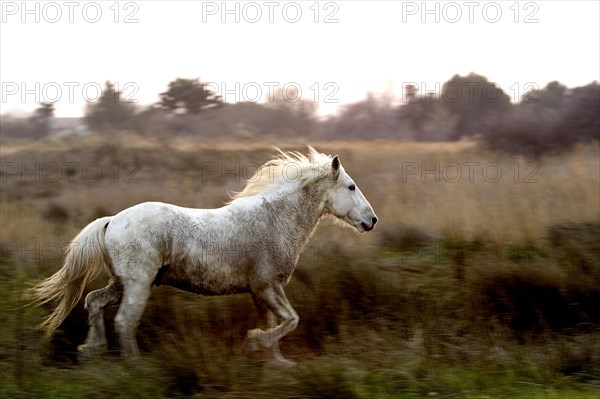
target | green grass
x=323, y=377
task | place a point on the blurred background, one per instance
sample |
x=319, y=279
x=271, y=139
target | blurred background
x=472, y=128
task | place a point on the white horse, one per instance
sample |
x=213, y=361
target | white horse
x=250, y=245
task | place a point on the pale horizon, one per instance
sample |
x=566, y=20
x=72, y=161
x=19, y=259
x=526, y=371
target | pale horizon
x=335, y=52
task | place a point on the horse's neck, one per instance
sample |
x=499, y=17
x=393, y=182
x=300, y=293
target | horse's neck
x=297, y=214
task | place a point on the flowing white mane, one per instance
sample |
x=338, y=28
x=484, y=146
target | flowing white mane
x=288, y=169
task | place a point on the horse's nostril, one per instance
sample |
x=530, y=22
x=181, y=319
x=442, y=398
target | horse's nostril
x=374, y=220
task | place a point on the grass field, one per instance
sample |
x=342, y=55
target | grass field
x=481, y=280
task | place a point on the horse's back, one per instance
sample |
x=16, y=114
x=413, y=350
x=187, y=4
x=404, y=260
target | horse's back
x=141, y=234
x=192, y=249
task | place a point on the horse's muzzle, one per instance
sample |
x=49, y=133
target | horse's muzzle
x=367, y=226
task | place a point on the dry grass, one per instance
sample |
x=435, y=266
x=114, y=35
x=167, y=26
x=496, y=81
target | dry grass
x=465, y=286
x=518, y=207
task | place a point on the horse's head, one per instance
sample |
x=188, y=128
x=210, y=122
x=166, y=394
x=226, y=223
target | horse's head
x=345, y=201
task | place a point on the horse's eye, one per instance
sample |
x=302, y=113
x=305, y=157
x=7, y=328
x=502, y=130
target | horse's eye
x=352, y=187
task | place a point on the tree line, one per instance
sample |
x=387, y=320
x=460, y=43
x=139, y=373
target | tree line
x=549, y=119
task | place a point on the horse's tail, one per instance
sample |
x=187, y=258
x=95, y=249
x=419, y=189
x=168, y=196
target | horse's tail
x=85, y=257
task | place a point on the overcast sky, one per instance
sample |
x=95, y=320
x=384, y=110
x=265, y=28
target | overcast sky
x=335, y=52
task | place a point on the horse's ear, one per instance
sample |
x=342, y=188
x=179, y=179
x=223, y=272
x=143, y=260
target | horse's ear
x=335, y=166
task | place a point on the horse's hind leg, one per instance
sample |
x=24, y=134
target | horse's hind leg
x=135, y=297
x=95, y=303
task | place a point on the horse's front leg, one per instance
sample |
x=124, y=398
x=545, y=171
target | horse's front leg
x=274, y=300
x=276, y=355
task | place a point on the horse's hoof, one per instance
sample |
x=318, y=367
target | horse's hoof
x=281, y=363
x=251, y=345
x=253, y=340
x=86, y=352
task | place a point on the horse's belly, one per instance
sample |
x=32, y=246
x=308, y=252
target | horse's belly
x=201, y=279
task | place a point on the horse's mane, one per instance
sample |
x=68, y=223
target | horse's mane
x=289, y=168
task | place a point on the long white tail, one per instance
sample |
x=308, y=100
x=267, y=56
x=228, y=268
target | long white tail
x=85, y=257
